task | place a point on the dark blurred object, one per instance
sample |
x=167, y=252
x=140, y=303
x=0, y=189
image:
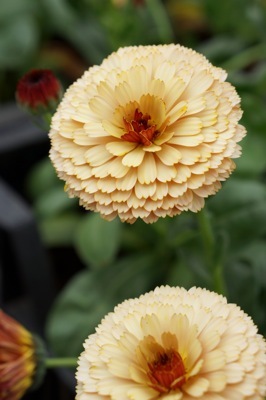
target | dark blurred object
x=27, y=276
x=21, y=145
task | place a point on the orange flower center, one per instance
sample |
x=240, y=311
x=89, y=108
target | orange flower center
x=139, y=130
x=167, y=372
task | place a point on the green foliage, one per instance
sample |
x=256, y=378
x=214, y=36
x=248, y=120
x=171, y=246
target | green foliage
x=97, y=241
x=91, y=294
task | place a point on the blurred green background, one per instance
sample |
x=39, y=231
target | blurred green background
x=118, y=260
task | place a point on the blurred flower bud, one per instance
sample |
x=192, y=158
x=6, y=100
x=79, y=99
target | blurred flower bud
x=39, y=91
x=21, y=356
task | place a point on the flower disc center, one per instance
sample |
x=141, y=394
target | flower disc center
x=139, y=129
x=167, y=371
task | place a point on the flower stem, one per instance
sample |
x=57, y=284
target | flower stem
x=161, y=19
x=206, y=235
x=64, y=362
x=215, y=266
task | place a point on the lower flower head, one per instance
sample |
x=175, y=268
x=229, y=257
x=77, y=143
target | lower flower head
x=39, y=91
x=17, y=359
x=174, y=344
x=149, y=133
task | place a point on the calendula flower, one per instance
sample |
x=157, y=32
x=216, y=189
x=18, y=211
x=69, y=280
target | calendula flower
x=17, y=359
x=174, y=344
x=39, y=91
x=150, y=132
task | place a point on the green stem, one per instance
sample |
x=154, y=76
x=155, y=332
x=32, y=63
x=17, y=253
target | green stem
x=215, y=266
x=160, y=17
x=207, y=236
x=64, y=362
x=245, y=58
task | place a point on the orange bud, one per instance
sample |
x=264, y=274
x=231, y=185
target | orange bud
x=17, y=358
x=39, y=91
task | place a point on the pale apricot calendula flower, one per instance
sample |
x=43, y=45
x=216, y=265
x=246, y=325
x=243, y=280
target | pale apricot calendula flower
x=174, y=344
x=150, y=132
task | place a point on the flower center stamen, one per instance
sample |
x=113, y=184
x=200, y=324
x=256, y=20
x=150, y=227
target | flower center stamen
x=139, y=130
x=167, y=371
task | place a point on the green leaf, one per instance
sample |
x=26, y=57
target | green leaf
x=236, y=194
x=52, y=202
x=181, y=275
x=18, y=40
x=243, y=290
x=91, y=294
x=77, y=311
x=42, y=178
x=58, y=230
x=97, y=241
x=254, y=255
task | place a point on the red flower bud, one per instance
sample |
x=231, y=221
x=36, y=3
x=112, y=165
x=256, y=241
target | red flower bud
x=39, y=91
x=18, y=359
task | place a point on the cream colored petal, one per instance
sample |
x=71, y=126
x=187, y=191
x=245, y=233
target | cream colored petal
x=95, y=130
x=145, y=191
x=134, y=158
x=102, y=198
x=176, y=112
x=123, y=111
x=195, y=105
x=119, y=196
x=151, y=205
x=128, y=181
x=196, y=386
x=187, y=126
x=123, y=93
x=112, y=129
x=213, y=361
x=134, y=201
x=183, y=173
x=140, y=213
x=106, y=91
x=154, y=107
x=218, y=381
x=210, y=117
x=176, y=190
x=195, y=181
x=152, y=148
x=199, y=83
x=165, y=173
x=173, y=90
x=165, y=71
x=235, y=372
x=169, y=155
x=83, y=171
x=76, y=154
x=83, y=114
x=106, y=185
x=157, y=88
x=106, y=211
x=189, y=155
x=97, y=155
x=140, y=393
x=137, y=73
x=187, y=141
x=163, y=138
x=101, y=108
x=120, y=148
x=82, y=138
x=68, y=127
x=161, y=191
x=117, y=169
x=147, y=171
